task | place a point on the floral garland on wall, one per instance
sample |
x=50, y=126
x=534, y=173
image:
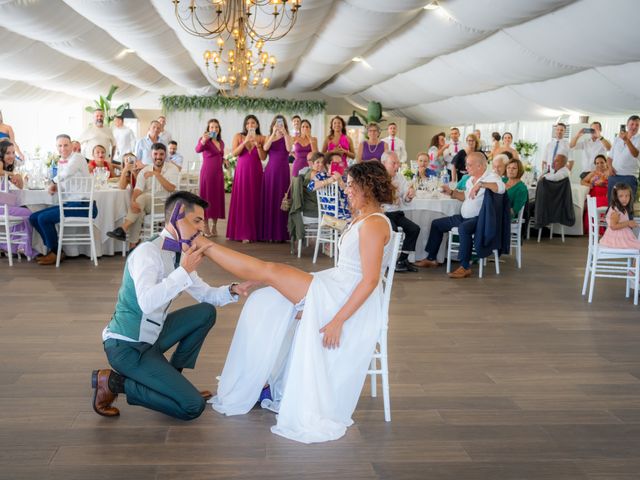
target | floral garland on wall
x=249, y=104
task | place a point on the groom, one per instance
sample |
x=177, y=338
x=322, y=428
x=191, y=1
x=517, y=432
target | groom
x=141, y=330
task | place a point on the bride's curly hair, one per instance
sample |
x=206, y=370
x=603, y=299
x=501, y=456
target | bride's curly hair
x=374, y=180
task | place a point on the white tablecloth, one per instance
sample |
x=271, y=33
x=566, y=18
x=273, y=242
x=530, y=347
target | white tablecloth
x=423, y=211
x=579, y=196
x=112, y=204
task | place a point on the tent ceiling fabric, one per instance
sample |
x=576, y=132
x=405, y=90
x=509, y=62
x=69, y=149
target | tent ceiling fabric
x=469, y=61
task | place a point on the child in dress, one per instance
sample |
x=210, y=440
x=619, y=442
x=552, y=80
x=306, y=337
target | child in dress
x=619, y=233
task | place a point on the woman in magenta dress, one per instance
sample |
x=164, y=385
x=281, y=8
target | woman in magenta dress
x=275, y=183
x=338, y=143
x=244, y=212
x=373, y=148
x=303, y=144
x=211, y=176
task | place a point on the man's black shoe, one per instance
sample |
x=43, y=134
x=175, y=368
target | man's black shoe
x=118, y=234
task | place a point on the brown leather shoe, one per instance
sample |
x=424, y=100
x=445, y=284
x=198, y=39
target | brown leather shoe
x=103, y=397
x=460, y=272
x=206, y=394
x=48, y=259
x=426, y=263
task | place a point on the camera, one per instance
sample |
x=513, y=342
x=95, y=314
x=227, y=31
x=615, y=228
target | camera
x=588, y=130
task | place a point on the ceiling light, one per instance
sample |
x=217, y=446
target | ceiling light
x=432, y=6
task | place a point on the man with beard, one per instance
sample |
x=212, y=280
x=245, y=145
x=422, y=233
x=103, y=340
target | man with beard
x=96, y=134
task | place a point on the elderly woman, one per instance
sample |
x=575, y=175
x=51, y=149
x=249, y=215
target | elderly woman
x=459, y=162
x=499, y=165
x=516, y=189
x=373, y=148
x=597, y=180
x=320, y=179
x=436, y=154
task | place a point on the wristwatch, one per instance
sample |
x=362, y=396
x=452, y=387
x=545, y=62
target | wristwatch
x=231, y=288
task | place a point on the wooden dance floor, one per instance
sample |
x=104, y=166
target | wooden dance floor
x=508, y=377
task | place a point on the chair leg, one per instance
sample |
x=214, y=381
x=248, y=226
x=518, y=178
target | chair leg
x=94, y=252
x=384, y=364
x=60, y=237
x=586, y=273
x=449, y=248
x=480, y=267
x=627, y=289
x=539, y=234
x=495, y=253
x=519, y=253
x=594, y=264
x=8, y=242
x=635, y=281
x=317, y=247
x=551, y=231
x=374, y=384
x=562, y=232
x=299, y=248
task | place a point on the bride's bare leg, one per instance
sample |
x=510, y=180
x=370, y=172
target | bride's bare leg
x=289, y=281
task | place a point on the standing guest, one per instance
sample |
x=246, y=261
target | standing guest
x=499, y=164
x=454, y=147
x=303, y=144
x=620, y=223
x=70, y=165
x=479, y=180
x=166, y=175
x=130, y=169
x=598, y=182
x=246, y=194
x=507, y=140
x=296, y=124
x=436, y=154
x=558, y=145
x=174, y=156
x=125, y=138
x=373, y=148
x=76, y=147
x=211, y=175
x=337, y=142
x=623, y=161
x=481, y=145
x=99, y=160
x=496, y=145
x=6, y=133
x=516, y=189
x=97, y=134
x=275, y=182
x=458, y=163
x=422, y=174
x=592, y=143
x=320, y=179
x=404, y=195
x=143, y=146
x=163, y=135
x=395, y=143
x=7, y=167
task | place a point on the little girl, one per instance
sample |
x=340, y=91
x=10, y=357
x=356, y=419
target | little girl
x=619, y=233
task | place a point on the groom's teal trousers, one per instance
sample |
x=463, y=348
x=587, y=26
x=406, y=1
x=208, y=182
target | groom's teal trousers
x=154, y=382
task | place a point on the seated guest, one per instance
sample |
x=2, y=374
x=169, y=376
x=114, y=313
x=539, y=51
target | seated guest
x=320, y=179
x=598, y=182
x=7, y=167
x=516, y=189
x=559, y=170
x=166, y=174
x=70, y=165
x=620, y=223
x=393, y=211
x=76, y=147
x=458, y=165
x=130, y=169
x=99, y=160
x=423, y=168
x=499, y=165
x=174, y=156
x=479, y=179
x=436, y=154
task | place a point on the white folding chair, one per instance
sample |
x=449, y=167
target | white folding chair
x=78, y=189
x=189, y=178
x=608, y=262
x=7, y=222
x=154, y=221
x=453, y=247
x=380, y=352
x=516, y=236
x=310, y=231
x=327, y=205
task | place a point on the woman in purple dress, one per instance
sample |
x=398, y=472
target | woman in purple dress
x=275, y=182
x=373, y=148
x=246, y=194
x=303, y=144
x=211, y=176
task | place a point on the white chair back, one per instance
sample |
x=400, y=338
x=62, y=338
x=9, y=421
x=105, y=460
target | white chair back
x=327, y=205
x=154, y=221
x=389, y=273
x=7, y=222
x=80, y=190
x=593, y=221
x=189, y=178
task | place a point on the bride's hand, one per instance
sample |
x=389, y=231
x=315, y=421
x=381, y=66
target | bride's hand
x=332, y=332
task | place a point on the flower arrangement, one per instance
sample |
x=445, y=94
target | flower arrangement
x=525, y=148
x=407, y=172
x=229, y=171
x=52, y=159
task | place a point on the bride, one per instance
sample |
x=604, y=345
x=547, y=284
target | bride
x=315, y=366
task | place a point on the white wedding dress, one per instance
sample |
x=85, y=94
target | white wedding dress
x=315, y=390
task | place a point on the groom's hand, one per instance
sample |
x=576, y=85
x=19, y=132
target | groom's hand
x=193, y=256
x=245, y=288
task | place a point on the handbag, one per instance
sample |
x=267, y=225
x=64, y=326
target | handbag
x=285, y=204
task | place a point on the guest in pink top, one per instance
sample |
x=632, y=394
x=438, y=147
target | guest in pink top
x=338, y=143
x=619, y=233
x=211, y=175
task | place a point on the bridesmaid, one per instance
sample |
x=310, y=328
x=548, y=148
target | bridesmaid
x=275, y=182
x=337, y=142
x=303, y=144
x=244, y=211
x=211, y=175
x=373, y=148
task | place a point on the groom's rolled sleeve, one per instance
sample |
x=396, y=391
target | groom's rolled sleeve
x=203, y=292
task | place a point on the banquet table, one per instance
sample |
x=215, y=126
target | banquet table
x=112, y=204
x=423, y=210
x=579, y=196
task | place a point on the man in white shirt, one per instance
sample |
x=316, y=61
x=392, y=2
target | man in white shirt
x=166, y=175
x=141, y=330
x=396, y=144
x=393, y=211
x=592, y=144
x=125, y=139
x=559, y=145
x=479, y=180
x=559, y=170
x=70, y=165
x=174, y=156
x=623, y=161
x=454, y=147
x=96, y=134
x=164, y=135
x=143, y=146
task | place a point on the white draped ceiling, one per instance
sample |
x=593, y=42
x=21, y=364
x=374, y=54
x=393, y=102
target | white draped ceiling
x=466, y=62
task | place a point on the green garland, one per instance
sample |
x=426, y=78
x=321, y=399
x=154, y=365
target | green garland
x=248, y=104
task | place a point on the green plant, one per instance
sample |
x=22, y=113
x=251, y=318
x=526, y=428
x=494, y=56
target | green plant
x=374, y=113
x=104, y=104
x=525, y=148
x=249, y=104
x=229, y=172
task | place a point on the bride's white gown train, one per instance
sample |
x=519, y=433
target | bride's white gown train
x=315, y=389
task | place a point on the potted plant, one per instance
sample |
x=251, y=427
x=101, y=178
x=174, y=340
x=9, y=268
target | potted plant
x=104, y=103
